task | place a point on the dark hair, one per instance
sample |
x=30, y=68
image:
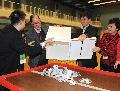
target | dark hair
x=16, y=16
x=32, y=16
x=116, y=21
x=86, y=14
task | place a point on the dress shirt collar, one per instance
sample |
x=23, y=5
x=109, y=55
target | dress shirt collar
x=38, y=31
x=84, y=28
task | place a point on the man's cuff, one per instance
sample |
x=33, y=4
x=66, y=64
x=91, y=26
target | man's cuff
x=42, y=44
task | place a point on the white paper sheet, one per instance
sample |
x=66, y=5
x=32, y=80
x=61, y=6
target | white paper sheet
x=75, y=49
x=87, y=46
x=82, y=50
x=72, y=50
x=59, y=33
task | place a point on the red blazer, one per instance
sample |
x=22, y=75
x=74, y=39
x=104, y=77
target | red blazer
x=118, y=51
x=108, y=46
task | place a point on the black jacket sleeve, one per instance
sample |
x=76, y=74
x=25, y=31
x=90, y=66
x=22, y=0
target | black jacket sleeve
x=35, y=50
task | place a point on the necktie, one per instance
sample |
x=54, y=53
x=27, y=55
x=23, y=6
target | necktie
x=84, y=28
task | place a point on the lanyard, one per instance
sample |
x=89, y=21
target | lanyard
x=111, y=40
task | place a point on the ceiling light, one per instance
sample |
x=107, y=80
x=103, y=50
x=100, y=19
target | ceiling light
x=107, y=2
x=96, y=0
x=96, y=4
x=112, y=1
x=102, y=3
x=91, y=1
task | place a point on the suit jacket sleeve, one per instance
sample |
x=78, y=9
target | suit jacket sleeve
x=77, y=33
x=33, y=50
x=21, y=47
x=95, y=34
x=92, y=32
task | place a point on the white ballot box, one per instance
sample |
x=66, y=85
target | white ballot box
x=59, y=50
x=72, y=50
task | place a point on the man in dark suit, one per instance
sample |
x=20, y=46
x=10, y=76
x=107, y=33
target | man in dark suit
x=37, y=36
x=86, y=31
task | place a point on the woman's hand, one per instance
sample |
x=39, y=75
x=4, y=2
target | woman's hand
x=116, y=64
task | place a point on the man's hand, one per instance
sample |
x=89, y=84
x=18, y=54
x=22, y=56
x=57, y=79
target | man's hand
x=49, y=41
x=116, y=64
x=82, y=37
x=31, y=43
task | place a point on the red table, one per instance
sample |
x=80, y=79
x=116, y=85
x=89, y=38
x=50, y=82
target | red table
x=29, y=81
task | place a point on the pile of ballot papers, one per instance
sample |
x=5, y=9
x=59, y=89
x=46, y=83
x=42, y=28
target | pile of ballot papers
x=63, y=74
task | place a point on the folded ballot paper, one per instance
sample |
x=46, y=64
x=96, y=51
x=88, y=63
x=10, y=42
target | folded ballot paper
x=82, y=50
x=62, y=34
x=65, y=48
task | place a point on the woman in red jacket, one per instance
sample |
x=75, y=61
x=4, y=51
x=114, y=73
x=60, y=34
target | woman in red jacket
x=108, y=46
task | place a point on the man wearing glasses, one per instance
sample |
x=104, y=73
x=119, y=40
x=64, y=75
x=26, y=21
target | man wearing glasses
x=36, y=36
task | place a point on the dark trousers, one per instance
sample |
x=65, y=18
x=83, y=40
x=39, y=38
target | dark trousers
x=21, y=67
x=3, y=88
x=42, y=62
x=6, y=70
x=88, y=63
x=105, y=67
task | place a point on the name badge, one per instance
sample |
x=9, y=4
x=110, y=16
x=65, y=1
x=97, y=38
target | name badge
x=105, y=57
x=22, y=59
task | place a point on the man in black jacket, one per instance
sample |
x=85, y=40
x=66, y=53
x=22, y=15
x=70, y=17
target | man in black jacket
x=12, y=44
x=86, y=31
